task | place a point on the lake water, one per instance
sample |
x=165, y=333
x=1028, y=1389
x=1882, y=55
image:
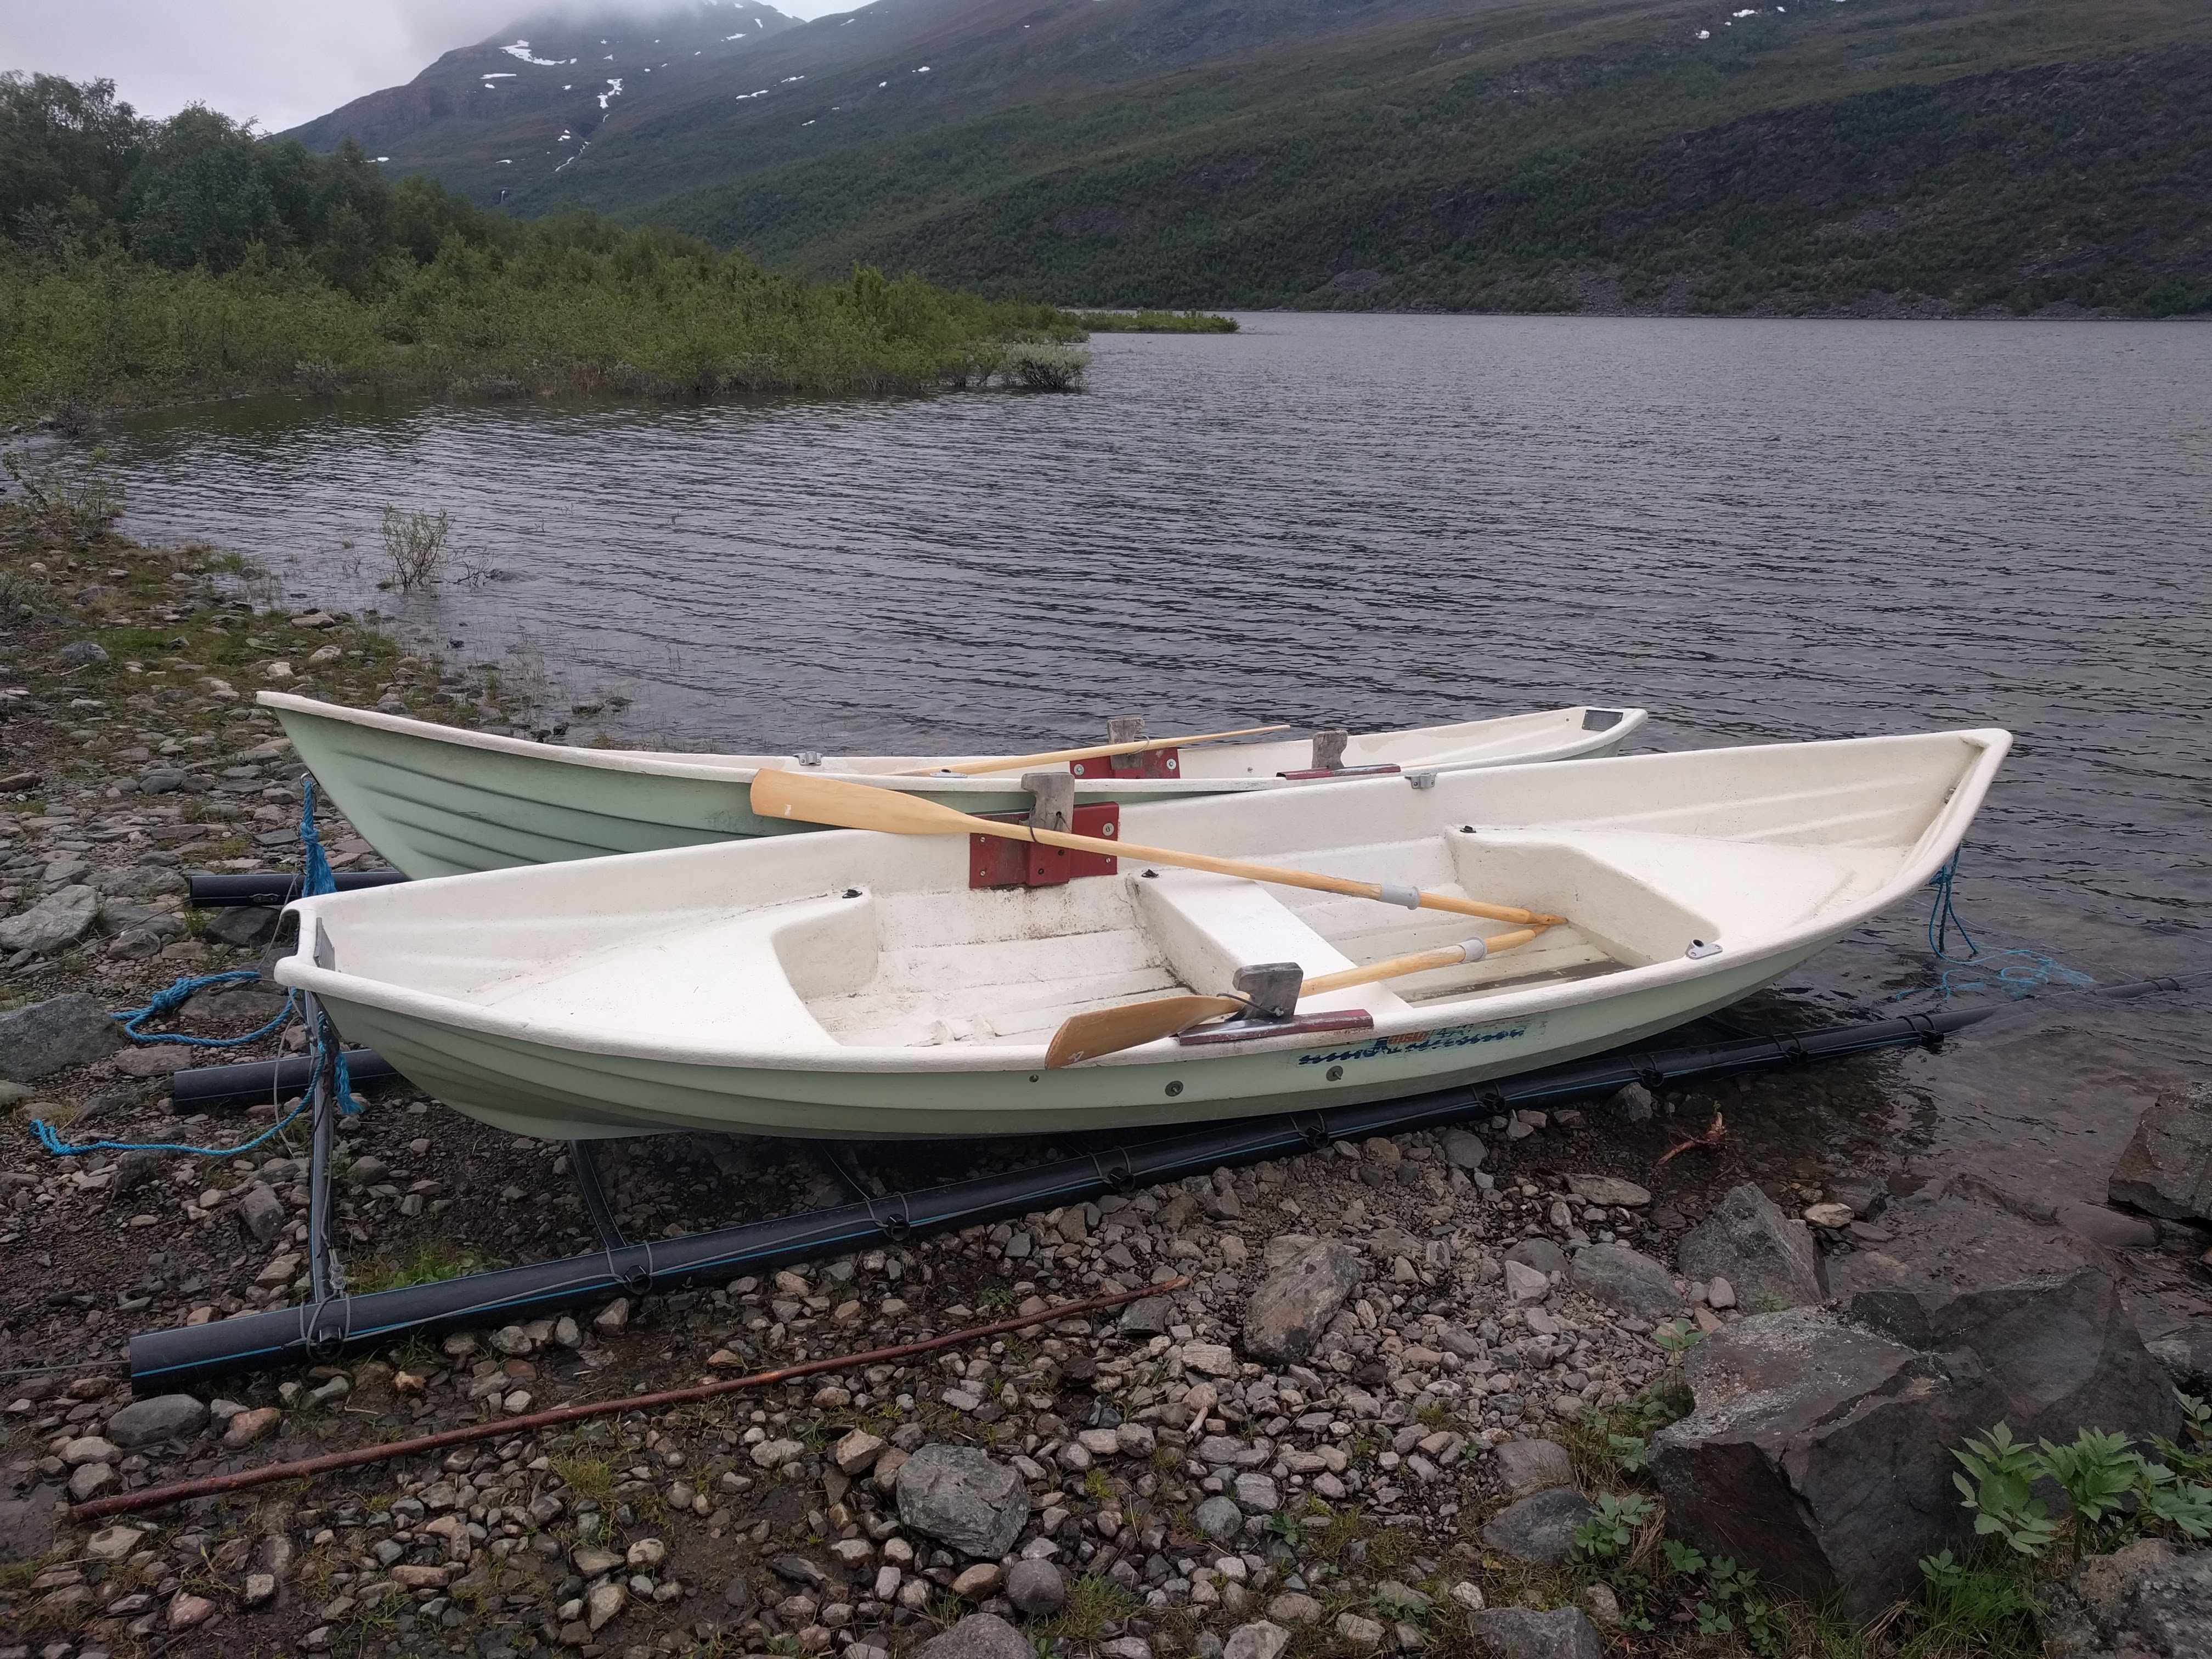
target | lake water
x=1760, y=530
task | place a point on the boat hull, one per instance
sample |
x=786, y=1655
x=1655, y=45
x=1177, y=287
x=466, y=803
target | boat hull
x=553, y=1093
x=434, y=801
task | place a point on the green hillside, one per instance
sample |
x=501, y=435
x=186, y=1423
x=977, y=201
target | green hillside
x=1824, y=156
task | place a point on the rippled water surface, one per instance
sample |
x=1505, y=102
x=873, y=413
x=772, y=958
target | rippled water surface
x=1760, y=530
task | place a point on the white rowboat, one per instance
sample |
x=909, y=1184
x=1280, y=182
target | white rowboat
x=436, y=801
x=852, y=984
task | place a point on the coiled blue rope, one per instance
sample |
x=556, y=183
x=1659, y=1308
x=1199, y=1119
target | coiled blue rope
x=2016, y=979
x=316, y=879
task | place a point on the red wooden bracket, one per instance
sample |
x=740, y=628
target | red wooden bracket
x=996, y=861
x=1151, y=764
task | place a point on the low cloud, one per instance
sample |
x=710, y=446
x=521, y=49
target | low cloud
x=280, y=62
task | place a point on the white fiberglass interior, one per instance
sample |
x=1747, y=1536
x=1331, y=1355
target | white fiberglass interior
x=832, y=944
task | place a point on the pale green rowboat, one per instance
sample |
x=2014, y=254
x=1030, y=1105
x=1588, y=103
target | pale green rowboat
x=437, y=800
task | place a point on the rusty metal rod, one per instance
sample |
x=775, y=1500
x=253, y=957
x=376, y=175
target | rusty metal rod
x=301, y=1469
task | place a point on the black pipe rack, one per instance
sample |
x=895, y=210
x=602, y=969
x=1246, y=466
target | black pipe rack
x=275, y=888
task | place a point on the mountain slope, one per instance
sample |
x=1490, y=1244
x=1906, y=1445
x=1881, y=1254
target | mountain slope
x=1824, y=155
x=526, y=103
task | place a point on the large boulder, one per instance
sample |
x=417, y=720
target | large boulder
x=2166, y=1170
x=2149, y=1601
x=58, y=919
x=1628, y=1281
x=1819, y=1452
x=48, y=1036
x=1285, y=1316
x=963, y=1497
x=1770, y=1260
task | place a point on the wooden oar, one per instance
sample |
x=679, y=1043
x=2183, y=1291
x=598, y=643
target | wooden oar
x=1110, y=1031
x=1097, y=751
x=862, y=806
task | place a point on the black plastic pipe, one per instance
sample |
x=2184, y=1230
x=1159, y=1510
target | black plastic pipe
x=257, y=1082
x=168, y=1359
x=275, y=888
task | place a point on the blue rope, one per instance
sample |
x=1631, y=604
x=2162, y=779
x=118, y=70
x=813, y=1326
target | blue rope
x=168, y=1001
x=316, y=880
x=2016, y=979
x=60, y=1148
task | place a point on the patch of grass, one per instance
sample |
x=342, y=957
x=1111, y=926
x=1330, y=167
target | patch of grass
x=431, y=1262
x=585, y=1477
x=1092, y=1603
x=1981, y=1605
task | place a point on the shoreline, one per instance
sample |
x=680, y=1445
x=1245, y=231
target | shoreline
x=1362, y=1478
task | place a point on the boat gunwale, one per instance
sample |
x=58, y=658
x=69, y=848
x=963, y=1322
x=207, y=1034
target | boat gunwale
x=740, y=769
x=1946, y=827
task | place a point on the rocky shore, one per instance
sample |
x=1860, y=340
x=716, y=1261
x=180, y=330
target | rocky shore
x=1521, y=1386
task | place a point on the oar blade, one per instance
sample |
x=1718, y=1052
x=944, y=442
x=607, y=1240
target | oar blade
x=808, y=799
x=1110, y=1031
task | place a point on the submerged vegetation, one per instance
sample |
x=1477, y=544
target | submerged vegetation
x=144, y=262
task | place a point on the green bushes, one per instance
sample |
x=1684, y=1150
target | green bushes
x=150, y=261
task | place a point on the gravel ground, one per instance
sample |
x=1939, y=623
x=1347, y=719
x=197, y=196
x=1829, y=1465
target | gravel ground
x=1166, y=1479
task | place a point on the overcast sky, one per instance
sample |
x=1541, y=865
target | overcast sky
x=282, y=61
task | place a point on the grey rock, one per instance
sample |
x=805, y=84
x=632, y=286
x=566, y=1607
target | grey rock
x=89, y=1480
x=1292, y=1306
x=1148, y=1317
x=1463, y=1150
x=1258, y=1640
x=58, y=921
x=1539, y=1528
x=1625, y=1280
x=138, y=881
x=2187, y=1353
x=1524, y=1633
x=133, y=1169
x=247, y=926
x=1256, y=1494
x=1400, y=1601
x=1532, y=1466
x=161, y=780
x=979, y=1636
x=2149, y=1601
x=1036, y=1588
x=961, y=1498
x=263, y=1213
x=164, y=1417
x=1634, y=1102
x=28, y=1525
x=82, y=653
x=2166, y=1170
x=1219, y=1518
x=1546, y=1257
x=1819, y=1450
x=50, y=1036
x=1608, y=1189
x=1865, y=1196
x=1771, y=1260
x=738, y=1592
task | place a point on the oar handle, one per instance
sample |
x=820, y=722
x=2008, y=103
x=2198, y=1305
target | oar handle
x=1420, y=962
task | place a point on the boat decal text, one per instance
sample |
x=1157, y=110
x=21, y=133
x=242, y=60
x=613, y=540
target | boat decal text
x=1417, y=1042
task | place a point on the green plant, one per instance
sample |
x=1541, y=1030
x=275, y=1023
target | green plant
x=1614, y=1525
x=1632, y=1451
x=1977, y=1606
x=65, y=509
x=415, y=543
x=1043, y=368
x=2192, y=1460
x=1678, y=1337
x=2112, y=1491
